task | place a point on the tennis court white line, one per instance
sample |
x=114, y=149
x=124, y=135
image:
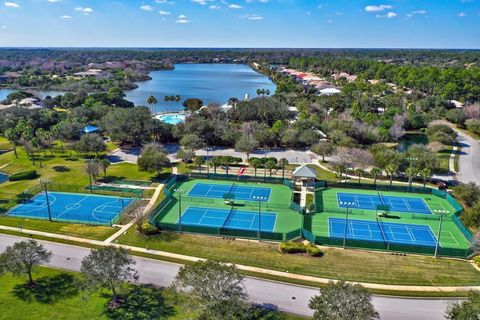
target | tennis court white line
x=74, y=203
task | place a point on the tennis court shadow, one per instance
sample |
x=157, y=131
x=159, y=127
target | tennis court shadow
x=164, y=236
x=141, y=302
x=61, y=168
x=48, y=290
x=392, y=217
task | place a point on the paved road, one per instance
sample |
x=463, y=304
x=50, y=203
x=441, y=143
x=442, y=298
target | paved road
x=286, y=297
x=469, y=160
x=293, y=156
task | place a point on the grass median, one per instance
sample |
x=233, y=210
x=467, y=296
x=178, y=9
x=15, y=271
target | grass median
x=352, y=265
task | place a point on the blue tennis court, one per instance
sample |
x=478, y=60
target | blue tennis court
x=397, y=204
x=382, y=232
x=208, y=190
x=82, y=208
x=219, y=218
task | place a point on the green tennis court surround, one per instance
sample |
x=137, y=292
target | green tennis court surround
x=409, y=220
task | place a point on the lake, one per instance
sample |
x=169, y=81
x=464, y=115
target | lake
x=212, y=83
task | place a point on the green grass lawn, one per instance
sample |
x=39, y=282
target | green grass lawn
x=76, y=230
x=61, y=168
x=57, y=297
x=353, y=265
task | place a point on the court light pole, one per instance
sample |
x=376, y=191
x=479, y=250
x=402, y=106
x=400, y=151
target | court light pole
x=265, y=151
x=347, y=205
x=89, y=162
x=208, y=159
x=442, y=213
x=45, y=183
x=259, y=199
x=180, y=193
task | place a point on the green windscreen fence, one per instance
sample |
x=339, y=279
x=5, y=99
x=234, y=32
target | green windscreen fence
x=171, y=198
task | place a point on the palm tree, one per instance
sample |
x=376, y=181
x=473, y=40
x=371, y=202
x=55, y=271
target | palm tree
x=270, y=165
x=259, y=92
x=166, y=99
x=233, y=102
x=177, y=99
x=282, y=163
x=375, y=172
x=255, y=163
x=425, y=174
x=199, y=161
x=104, y=164
x=391, y=169
x=152, y=101
x=267, y=92
x=359, y=172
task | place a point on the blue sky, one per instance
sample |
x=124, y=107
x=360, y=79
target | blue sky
x=241, y=23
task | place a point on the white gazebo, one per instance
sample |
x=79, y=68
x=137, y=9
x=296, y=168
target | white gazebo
x=304, y=183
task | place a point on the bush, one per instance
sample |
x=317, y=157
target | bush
x=473, y=125
x=313, y=250
x=471, y=217
x=468, y=193
x=24, y=175
x=291, y=247
x=476, y=260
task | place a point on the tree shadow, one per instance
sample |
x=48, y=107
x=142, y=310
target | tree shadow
x=48, y=290
x=61, y=168
x=141, y=302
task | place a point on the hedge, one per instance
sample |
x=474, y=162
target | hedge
x=24, y=175
x=298, y=247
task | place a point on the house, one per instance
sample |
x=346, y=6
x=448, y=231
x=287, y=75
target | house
x=329, y=91
x=89, y=73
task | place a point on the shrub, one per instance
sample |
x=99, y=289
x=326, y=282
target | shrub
x=313, y=250
x=291, y=247
x=24, y=175
x=473, y=125
x=471, y=217
x=469, y=193
x=476, y=260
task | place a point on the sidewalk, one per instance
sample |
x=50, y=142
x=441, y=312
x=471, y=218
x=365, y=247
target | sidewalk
x=282, y=274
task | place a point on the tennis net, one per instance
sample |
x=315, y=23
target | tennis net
x=384, y=236
x=228, y=217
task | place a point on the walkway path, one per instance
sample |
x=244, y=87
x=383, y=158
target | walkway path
x=245, y=268
x=146, y=210
x=287, y=297
x=469, y=160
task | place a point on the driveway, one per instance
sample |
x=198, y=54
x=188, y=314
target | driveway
x=286, y=297
x=469, y=160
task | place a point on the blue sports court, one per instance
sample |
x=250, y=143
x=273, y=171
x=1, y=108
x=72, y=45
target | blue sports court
x=228, y=219
x=396, y=204
x=81, y=208
x=209, y=190
x=382, y=232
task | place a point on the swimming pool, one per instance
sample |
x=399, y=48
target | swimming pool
x=172, y=118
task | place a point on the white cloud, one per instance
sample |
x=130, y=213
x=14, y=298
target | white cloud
x=251, y=17
x=214, y=7
x=85, y=10
x=164, y=13
x=11, y=4
x=388, y=15
x=461, y=14
x=146, y=7
x=235, y=6
x=419, y=12
x=329, y=21
x=381, y=7
x=182, y=19
x=53, y=1
x=202, y=2
x=66, y=17
x=3, y=27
